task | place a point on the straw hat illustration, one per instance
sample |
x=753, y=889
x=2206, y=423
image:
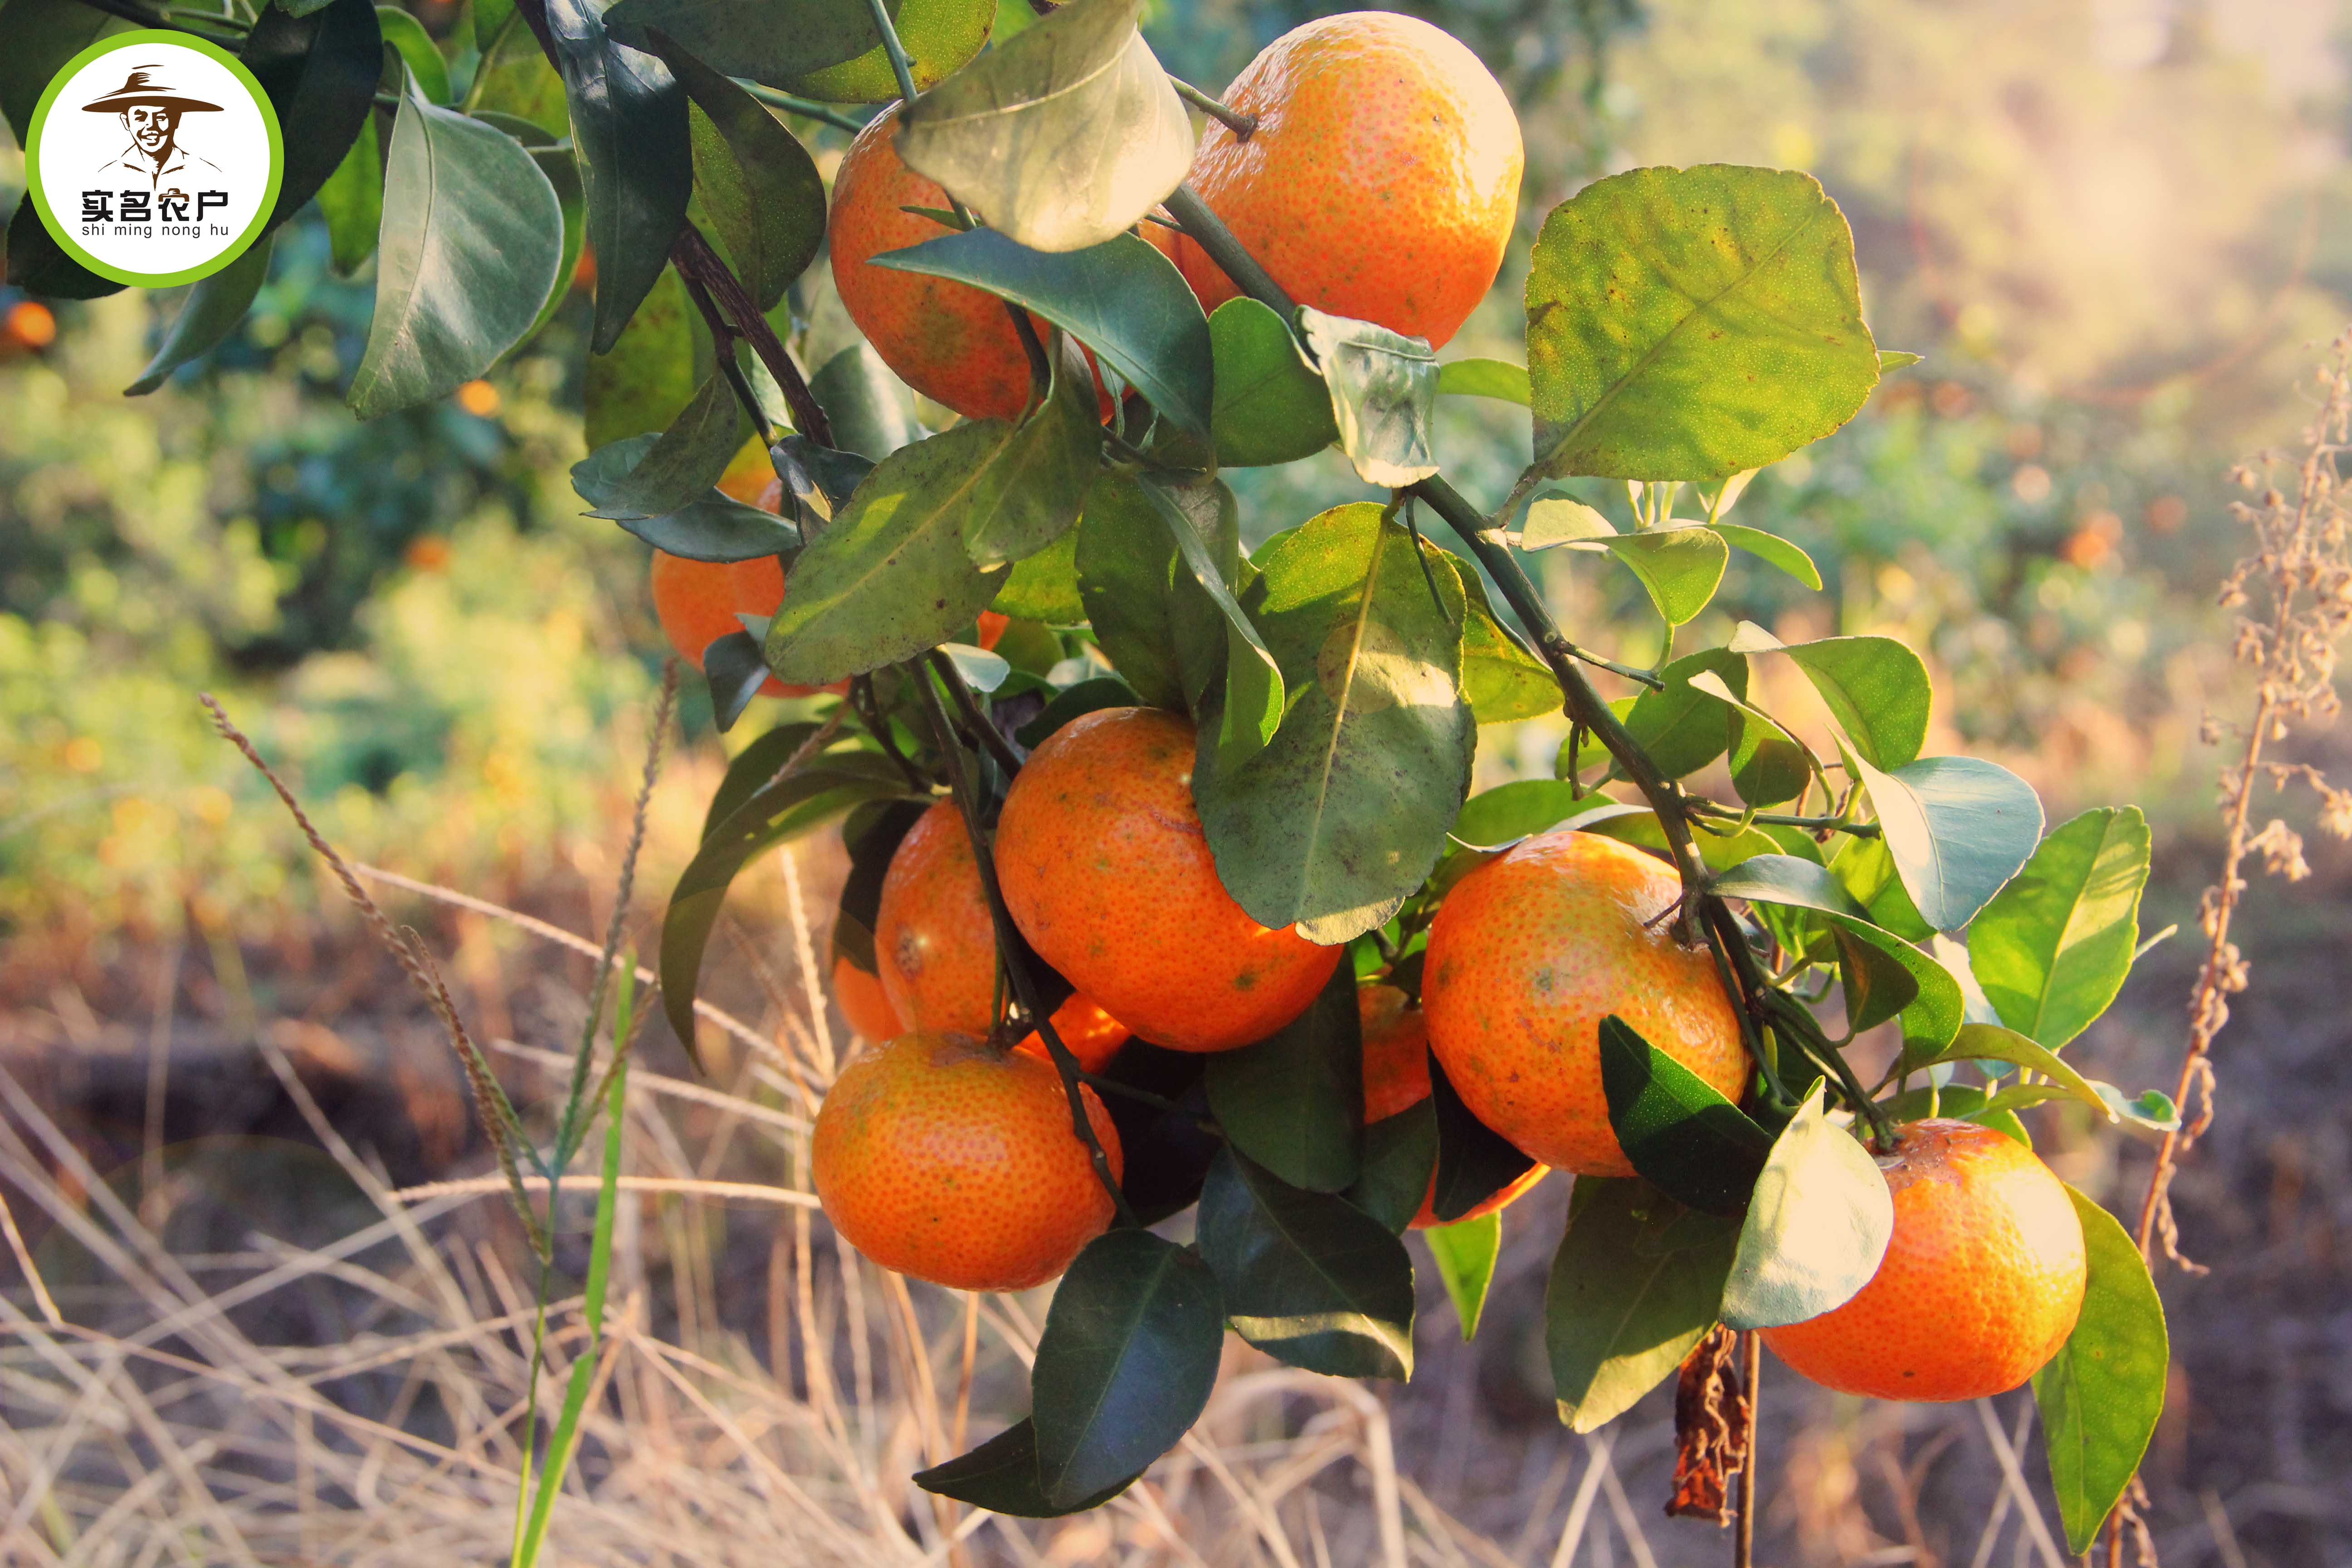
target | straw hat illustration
x=142, y=87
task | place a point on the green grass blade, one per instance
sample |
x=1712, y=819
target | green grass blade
x=560, y=1447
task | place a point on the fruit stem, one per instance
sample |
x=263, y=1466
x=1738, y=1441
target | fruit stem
x=869, y=714
x=1799, y=1021
x=1836, y=822
x=724, y=338
x=1583, y=704
x=1208, y=232
x=1240, y=123
x=987, y=733
x=899, y=66
x=696, y=263
x=1008, y=945
x=806, y=109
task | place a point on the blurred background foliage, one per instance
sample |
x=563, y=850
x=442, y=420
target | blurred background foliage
x=2111, y=226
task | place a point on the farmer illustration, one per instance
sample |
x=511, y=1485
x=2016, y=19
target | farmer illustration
x=151, y=113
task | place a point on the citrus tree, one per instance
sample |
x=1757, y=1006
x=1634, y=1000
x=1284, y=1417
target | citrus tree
x=1169, y=891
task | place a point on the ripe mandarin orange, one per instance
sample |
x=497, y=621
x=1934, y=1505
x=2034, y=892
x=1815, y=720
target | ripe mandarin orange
x=1381, y=180
x=936, y=947
x=945, y=1158
x=860, y=997
x=1396, y=1079
x=1528, y=954
x=1108, y=875
x=696, y=601
x=948, y=341
x=1983, y=1280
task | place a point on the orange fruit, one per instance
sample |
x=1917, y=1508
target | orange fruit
x=696, y=601
x=862, y=1003
x=951, y=342
x=936, y=947
x=1396, y=1079
x=1108, y=873
x=1981, y=1283
x=1382, y=179
x=945, y=1158
x=1528, y=954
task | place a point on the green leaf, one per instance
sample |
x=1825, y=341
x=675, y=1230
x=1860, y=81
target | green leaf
x=416, y=49
x=514, y=77
x=636, y=158
x=819, y=790
x=1681, y=729
x=1676, y=1128
x=1465, y=1253
x=890, y=578
x=1269, y=405
x=1558, y=520
x=871, y=834
x=43, y=35
x=319, y=71
x=1991, y=1043
x=1962, y=1102
x=1307, y=1277
x=764, y=40
x=1060, y=137
x=351, y=201
x=1896, y=359
x=758, y=762
x=553, y=156
x=36, y=265
x=1160, y=629
x=1294, y=1101
x=1031, y=492
x=834, y=476
x=2100, y=1396
x=1785, y=880
x=1126, y=1363
x=1637, y=1280
x=866, y=403
x=1345, y=811
x=712, y=527
x=471, y=235
x=1957, y=828
x=1772, y=550
x=1383, y=389
x=1121, y=298
x=1680, y=567
x=685, y=462
x=1501, y=679
x=1399, y=1162
x=733, y=669
x=1251, y=701
x=1044, y=587
x=1000, y=1476
x=2152, y=1109
x=1493, y=378
x=209, y=315
x=1474, y=1160
x=1689, y=323
x=1816, y=1229
x=1866, y=868
x=758, y=184
x=938, y=36
x=1876, y=690
x=2052, y=948
x=1511, y=812
x=1935, y=1005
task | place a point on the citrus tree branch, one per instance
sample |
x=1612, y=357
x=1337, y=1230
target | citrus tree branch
x=1008, y=941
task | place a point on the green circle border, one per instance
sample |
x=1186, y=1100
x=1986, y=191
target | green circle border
x=147, y=38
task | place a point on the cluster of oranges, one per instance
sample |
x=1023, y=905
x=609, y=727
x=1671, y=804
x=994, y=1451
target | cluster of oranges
x=958, y=1161
x=946, y=1152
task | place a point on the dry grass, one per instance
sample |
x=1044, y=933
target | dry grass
x=187, y=1376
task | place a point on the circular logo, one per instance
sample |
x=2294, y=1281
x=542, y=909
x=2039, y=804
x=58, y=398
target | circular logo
x=155, y=158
